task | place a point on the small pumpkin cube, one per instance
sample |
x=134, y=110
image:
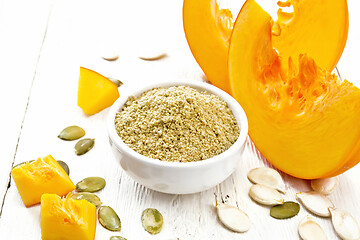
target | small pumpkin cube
x=95, y=92
x=43, y=175
x=67, y=218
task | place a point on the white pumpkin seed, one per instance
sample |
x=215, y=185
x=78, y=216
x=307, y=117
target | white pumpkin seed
x=109, y=54
x=152, y=220
x=233, y=218
x=150, y=54
x=325, y=185
x=268, y=177
x=311, y=230
x=344, y=224
x=265, y=195
x=316, y=203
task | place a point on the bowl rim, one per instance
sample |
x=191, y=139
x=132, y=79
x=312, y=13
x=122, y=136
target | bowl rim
x=235, y=107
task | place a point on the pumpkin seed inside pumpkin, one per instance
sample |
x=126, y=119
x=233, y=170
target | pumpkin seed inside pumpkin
x=109, y=219
x=91, y=184
x=285, y=210
x=152, y=220
x=84, y=145
x=64, y=166
x=90, y=197
x=117, y=238
x=71, y=133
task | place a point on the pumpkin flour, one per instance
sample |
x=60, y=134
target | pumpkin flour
x=177, y=124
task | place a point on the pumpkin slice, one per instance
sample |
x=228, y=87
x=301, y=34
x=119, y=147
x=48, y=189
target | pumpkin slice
x=95, y=91
x=318, y=28
x=303, y=119
x=207, y=30
x=66, y=218
x=43, y=175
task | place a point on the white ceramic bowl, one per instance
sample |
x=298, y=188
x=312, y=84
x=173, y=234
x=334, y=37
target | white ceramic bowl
x=175, y=177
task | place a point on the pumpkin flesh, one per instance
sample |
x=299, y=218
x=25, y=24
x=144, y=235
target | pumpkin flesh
x=303, y=119
x=95, y=92
x=207, y=30
x=318, y=28
x=43, y=175
x=66, y=218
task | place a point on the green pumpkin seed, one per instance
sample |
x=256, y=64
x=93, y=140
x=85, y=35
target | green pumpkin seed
x=117, y=238
x=90, y=197
x=286, y=210
x=71, y=133
x=22, y=163
x=152, y=220
x=109, y=219
x=64, y=166
x=90, y=184
x=84, y=145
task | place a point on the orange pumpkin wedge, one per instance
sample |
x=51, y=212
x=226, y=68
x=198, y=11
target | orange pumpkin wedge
x=66, y=218
x=43, y=175
x=95, y=91
x=207, y=30
x=318, y=28
x=303, y=119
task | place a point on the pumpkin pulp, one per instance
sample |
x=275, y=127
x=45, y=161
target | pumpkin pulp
x=318, y=28
x=66, y=218
x=303, y=119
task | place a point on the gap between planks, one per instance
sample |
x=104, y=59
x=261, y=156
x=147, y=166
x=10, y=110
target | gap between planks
x=27, y=104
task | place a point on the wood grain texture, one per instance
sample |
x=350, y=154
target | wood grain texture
x=21, y=38
x=75, y=32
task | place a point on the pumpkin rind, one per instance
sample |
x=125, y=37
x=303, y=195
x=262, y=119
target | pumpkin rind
x=66, y=218
x=301, y=118
x=95, y=92
x=44, y=175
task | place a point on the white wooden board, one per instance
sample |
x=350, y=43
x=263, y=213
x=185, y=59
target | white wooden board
x=43, y=44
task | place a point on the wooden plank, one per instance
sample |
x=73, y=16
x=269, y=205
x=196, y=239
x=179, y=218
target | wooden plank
x=72, y=40
x=22, y=33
